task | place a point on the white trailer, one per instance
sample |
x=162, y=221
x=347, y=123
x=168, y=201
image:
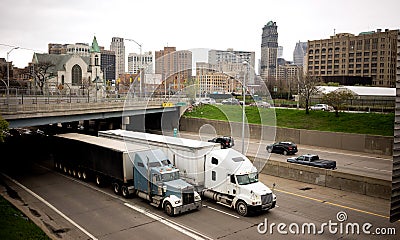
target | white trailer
x=225, y=175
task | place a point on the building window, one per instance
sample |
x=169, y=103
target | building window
x=62, y=79
x=213, y=175
x=76, y=75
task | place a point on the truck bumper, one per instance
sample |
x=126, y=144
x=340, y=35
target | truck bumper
x=187, y=207
x=263, y=207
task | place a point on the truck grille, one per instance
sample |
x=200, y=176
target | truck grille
x=187, y=196
x=266, y=199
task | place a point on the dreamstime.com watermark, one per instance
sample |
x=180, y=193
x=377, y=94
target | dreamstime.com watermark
x=331, y=227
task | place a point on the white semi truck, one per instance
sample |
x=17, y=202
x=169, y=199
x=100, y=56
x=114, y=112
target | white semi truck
x=224, y=175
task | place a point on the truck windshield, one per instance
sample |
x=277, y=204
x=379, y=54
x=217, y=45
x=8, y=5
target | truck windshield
x=166, y=177
x=247, y=178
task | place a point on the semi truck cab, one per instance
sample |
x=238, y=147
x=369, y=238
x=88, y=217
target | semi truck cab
x=231, y=179
x=158, y=181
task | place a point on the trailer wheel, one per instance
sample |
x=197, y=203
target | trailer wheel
x=125, y=191
x=79, y=174
x=169, y=210
x=56, y=165
x=84, y=175
x=99, y=181
x=241, y=208
x=65, y=170
x=74, y=173
x=116, y=188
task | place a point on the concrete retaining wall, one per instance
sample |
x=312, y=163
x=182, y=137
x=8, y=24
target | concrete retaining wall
x=330, y=178
x=344, y=141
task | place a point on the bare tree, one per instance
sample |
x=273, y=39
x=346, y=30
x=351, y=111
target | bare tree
x=307, y=88
x=337, y=99
x=40, y=72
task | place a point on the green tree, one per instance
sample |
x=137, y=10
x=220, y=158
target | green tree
x=3, y=128
x=307, y=88
x=337, y=99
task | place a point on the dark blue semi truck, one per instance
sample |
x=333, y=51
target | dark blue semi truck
x=132, y=170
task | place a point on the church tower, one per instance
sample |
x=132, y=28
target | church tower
x=95, y=62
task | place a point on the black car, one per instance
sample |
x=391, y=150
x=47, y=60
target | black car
x=284, y=148
x=226, y=142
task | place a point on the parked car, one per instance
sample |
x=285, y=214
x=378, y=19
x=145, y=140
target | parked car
x=284, y=148
x=321, y=106
x=260, y=104
x=205, y=101
x=226, y=142
x=313, y=160
x=231, y=101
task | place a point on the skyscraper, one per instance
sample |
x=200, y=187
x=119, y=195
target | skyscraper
x=269, y=51
x=117, y=45
x=299, y=53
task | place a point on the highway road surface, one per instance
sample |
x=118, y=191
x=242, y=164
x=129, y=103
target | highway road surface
x=68, y=208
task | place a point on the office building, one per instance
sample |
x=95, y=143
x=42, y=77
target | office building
x=269, y=51
x=174, y=66
x=299, y=53
x=117, y=45
x=368, y=58
x=137, y=61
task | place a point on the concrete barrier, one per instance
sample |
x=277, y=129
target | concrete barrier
x=344, y=141
x=329, y=178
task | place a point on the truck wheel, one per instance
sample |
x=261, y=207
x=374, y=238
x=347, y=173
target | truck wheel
x=169, y=210
x=241, y=208
x=74, y=173
x=116, y=188
x=269, y=150
x=285, y=152
x=84, y=175
x=125, y=191
x=99, y=181
x=79, y=174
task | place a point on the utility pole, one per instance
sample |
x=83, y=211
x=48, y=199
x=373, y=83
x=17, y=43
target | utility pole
x=140, y=66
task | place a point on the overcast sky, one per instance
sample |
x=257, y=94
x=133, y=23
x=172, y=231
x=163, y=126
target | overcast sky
x=186, y=25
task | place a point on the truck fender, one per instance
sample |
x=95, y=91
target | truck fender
x=240, y=198
x=173, y=200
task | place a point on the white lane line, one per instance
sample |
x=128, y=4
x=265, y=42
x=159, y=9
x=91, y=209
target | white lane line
x=144, y=211
x=375, y=169
x=349, y=154
x=182, y=229
x=221, y=211
x=51, y=206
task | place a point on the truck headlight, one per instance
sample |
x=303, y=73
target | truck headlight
x=197, y=197
x=177, y=201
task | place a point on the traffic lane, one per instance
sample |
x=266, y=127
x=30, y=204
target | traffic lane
x=102, y=215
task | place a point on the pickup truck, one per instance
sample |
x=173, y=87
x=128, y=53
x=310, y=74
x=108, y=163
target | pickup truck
x=313, y=160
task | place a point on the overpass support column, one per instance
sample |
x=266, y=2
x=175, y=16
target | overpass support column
x=125, y=122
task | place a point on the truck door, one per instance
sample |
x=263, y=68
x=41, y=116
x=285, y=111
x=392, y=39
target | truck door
x=231, y=185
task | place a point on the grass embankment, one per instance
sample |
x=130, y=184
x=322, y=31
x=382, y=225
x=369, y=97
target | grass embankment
x=15, y=225
x=362, y=123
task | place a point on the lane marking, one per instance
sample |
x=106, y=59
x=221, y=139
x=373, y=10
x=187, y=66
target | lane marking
x=50, y=206
x=182, y=229
x=375, y=169
x=215, y=209
x=142, y=210
x=331, y=203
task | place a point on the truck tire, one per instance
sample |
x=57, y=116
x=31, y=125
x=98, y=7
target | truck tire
x=125, y=191
x=241, y=208
x=169, y=210
x=269, y=150
x=99, y=181
x=79, y=174
x=84, y=175
x=285, y=152
x=116, y=188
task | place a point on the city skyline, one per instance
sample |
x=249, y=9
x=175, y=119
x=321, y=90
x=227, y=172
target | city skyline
x=233, y=25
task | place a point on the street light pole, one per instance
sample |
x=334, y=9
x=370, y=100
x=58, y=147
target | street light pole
x=244, y=103
x=140, y=67
x=8, y=74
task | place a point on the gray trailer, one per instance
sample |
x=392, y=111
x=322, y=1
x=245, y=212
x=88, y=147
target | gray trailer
x=131, y=169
